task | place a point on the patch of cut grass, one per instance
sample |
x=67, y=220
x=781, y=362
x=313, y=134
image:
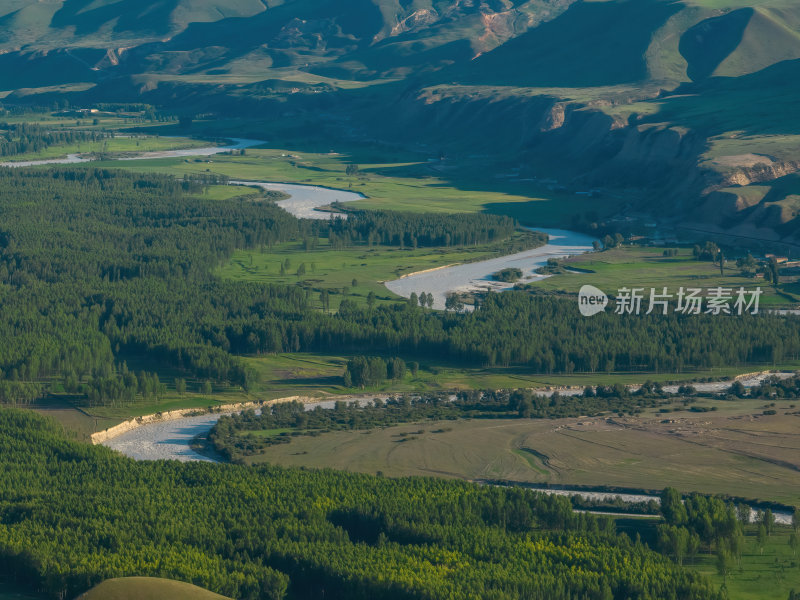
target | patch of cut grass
x=147, y=588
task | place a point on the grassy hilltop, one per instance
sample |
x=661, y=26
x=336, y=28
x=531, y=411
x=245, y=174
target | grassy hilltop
x=147, y=588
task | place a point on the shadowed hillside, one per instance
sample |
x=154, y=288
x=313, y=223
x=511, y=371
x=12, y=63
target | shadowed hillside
x=672, y=104
x=592, y=44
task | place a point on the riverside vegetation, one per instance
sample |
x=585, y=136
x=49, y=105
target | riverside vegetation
x=245, y=434
x=240, y=435
x=22, y=138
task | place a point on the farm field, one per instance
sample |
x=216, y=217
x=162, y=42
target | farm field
x=734, y=450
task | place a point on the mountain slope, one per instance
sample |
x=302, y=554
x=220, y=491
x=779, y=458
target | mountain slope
x=666, y=102
x=592, y=44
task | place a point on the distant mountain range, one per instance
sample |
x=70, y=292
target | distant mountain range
x=688, y=108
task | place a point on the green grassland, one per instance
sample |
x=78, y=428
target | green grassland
x=250, y=69
x=636, y=266
x=766, y=575
x=147, y=588
x=735, y=450
x=320, y=374
x=391, y=180
x=225, y=192
x=370, y=267
x=780, y=147
x=115, y=121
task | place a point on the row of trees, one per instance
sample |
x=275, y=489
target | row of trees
x=119, y=388
x=22, y=138
x=231, y=436
x=411, y=230
x=362, y=371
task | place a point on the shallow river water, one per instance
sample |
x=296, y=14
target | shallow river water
x=477, y=276
x=305, y=200
x=238, y=144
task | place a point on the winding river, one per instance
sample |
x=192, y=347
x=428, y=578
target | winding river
x=477, y=276
x=305, y=201
x=781, y=517
x=238, y=144
x=171, y=440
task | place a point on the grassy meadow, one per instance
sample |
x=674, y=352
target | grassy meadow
x=338, y=269
x=637, y=266
x=394, y=180
x=735, y=450
x=117, y=145
x=316, y=374
x=763, y=574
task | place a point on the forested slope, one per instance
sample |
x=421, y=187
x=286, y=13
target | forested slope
x=72, y=515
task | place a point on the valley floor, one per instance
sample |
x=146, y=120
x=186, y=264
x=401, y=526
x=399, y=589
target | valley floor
x=734, y=449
